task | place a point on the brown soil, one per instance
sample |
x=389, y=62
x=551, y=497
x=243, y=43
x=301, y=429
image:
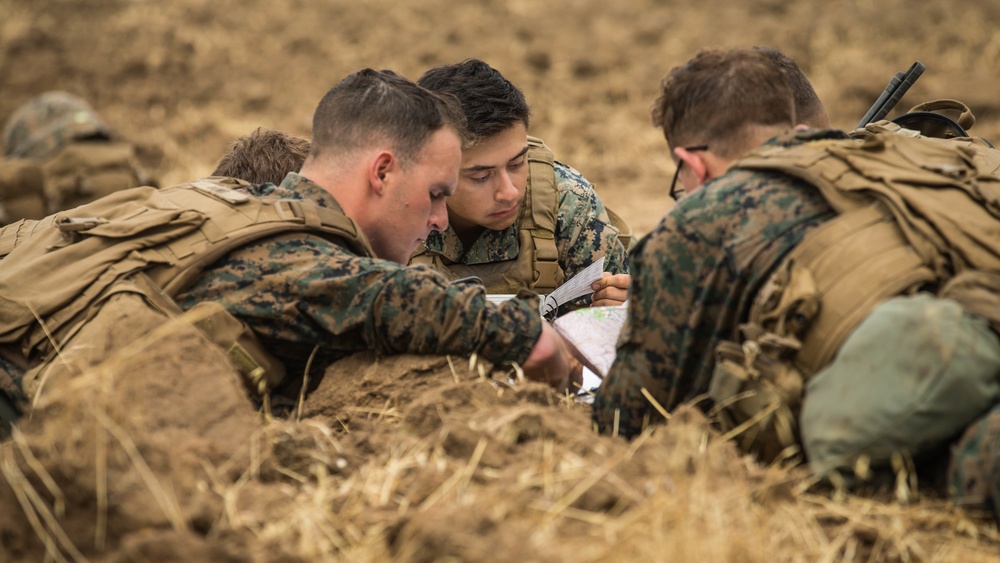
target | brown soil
x=154, y=457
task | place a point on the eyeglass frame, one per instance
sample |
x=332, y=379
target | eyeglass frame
x=677, y=171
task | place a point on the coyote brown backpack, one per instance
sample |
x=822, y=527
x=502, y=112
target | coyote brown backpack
x=57, y=272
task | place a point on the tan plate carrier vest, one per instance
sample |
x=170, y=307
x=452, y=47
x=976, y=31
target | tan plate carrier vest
x=537, y=264
x=913, y=214
x=79, y=173
x=56, y=272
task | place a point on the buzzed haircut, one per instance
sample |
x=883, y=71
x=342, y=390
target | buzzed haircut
x=491, y=103
x=719, y=97
x=265, y=155
x=809, y=108
x=372, y=106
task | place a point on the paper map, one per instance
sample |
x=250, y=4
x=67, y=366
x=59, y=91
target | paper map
x=593, y=333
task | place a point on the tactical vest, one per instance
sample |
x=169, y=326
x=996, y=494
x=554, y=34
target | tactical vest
x=22, y=190
x=913, y=213
x=537, y=263
x=84, y=171
x=78, y=173
x=57, y=272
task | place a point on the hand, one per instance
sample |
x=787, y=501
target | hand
x=610, y=290
x=550, y=362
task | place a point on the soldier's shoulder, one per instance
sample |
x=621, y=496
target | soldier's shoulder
x=572, y=180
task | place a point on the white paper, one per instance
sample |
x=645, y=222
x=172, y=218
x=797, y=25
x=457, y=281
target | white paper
x=577, y=286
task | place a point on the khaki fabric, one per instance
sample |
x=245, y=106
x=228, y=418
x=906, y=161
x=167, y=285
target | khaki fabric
x=58, y=272
x=84, y=171
x=914, y=213
x=22, y=190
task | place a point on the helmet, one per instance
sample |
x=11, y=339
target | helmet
x=48, y=122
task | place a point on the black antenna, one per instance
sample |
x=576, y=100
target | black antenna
x=894, y=92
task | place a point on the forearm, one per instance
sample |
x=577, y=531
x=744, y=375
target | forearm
x=418, y=313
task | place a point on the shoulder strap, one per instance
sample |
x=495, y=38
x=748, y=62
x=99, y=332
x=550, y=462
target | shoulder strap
x=235, y=219
x=540, y=216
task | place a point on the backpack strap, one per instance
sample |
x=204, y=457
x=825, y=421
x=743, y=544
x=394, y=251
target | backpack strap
x=224, y=230
x=540, y=216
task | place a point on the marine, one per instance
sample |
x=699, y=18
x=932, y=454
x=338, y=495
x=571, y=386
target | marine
x=58, y=154
x=519, y=219
x=789, y=292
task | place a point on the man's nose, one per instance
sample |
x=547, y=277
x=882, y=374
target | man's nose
x=438, y=220
x=506, y=191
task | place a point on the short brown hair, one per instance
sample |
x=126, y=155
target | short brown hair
x=263, y=156
x=381, y=106
x=808, y=107
x=719, y=97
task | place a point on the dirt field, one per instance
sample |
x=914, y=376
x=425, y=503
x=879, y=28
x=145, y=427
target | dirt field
x=425, y=459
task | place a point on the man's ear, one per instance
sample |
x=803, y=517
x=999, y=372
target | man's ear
x=696, y=161
x=379, y=170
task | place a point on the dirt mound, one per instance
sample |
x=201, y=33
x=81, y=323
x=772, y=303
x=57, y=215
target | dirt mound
x=413, y=459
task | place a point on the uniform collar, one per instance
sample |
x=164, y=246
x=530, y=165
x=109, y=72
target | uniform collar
x=491, y=246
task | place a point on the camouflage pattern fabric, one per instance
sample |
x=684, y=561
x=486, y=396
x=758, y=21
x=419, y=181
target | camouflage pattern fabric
x=48, y=122
x=583, y=233
x=694, y=278
x=974, y=471
x=305, y=293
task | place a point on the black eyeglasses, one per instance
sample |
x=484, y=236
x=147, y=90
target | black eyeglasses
x=677, y=172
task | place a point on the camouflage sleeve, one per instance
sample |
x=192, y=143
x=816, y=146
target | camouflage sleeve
x=307, y=290
x=658, y=349
x=583, y=231
x=974, y=469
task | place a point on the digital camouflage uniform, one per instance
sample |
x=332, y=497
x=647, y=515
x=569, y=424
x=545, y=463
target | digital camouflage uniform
x=58, y=154
x=694, y=280
x=974, y=471
x=300, y=293
x=584, y=233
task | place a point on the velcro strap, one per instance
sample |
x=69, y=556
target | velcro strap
x=221, y=192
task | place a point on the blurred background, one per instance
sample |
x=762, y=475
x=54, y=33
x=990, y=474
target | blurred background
x=183, y=78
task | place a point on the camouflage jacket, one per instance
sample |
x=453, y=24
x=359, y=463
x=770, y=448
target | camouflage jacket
x=583, y=233
x=305, y=293
x=694, y=278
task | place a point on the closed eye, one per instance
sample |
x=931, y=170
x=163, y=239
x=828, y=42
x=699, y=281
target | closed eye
x=481, y=179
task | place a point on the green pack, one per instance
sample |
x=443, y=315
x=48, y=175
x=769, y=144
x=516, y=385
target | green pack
x=915, y=373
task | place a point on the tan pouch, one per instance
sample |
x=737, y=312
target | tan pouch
x=757, y=400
